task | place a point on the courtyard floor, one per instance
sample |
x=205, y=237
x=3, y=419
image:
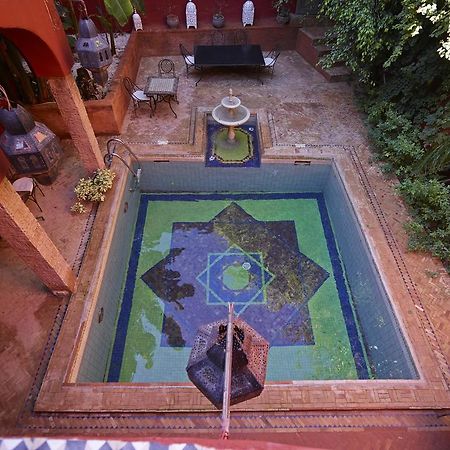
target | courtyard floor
x=302, y=116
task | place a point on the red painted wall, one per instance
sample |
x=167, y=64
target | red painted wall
x=35, y=28
x=156, y=10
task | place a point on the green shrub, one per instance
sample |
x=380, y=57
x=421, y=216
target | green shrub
x=395, y=138
x=429, y=202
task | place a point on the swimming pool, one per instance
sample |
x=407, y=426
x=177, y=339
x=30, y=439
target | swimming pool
x=282, y=241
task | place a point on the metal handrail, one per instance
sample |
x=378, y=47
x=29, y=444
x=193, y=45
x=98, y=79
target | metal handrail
x=227, y=376
x=111, y=153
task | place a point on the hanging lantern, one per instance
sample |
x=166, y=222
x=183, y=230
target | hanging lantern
x=93, y=51
x=30, y=146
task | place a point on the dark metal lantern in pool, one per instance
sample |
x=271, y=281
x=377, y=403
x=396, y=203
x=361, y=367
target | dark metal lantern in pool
x=206, y=365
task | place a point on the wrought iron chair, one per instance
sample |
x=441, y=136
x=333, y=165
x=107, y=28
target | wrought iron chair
x=166, y=68
x=188, y=58
x=138, y=96
x=270, y=60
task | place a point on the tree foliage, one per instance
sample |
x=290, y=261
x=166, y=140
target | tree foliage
x=399, y=52
x=370, y=35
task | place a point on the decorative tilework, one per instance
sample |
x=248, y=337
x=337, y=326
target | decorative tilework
x=219, y=290
x=285, y=276
x=179, y=241
x=252, y=159
x=61, y=444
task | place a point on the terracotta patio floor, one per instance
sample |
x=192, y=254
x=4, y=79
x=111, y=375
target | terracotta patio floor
x=304, y=117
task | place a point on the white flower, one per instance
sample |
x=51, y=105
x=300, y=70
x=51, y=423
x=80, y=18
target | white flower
x=444, y=49
x=416, y=30
x=427, y=9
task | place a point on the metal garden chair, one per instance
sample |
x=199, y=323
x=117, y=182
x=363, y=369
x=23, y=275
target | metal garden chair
x=217, y=38
x=166, y=68
x=270, y=60
x=240, y=37
x=138, y=96
x=188, y=58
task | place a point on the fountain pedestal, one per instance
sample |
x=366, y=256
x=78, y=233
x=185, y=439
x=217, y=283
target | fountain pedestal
x=231, y=114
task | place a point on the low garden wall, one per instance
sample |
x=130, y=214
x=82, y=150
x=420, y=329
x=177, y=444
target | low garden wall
x=107, y=115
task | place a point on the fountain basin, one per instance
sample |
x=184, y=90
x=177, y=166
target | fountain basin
x=230, y=117
x=230, y=102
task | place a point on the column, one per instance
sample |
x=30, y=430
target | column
x=73, y=111
x=24, y=234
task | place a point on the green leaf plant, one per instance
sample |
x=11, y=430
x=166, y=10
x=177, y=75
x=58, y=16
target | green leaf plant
x=92, y=189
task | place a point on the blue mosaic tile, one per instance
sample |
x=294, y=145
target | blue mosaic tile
x=75, y=445
x=289, y=317
x=338, y=271
x=106, y=446
x=158, y=446
x=217, y=290
x=15, y=444
x=232, y=236
x=43, y=446
x=249, y=128
x=128, y=446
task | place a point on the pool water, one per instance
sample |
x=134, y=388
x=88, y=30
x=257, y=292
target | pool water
x=280, y=241
x=273, y=255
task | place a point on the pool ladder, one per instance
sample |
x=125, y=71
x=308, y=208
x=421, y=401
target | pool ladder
x=111, y=153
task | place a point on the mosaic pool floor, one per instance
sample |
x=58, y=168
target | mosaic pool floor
x=273, y=255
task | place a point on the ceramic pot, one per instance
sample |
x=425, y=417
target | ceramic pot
x=282, y=19
x=172, y=20
x=218, y=20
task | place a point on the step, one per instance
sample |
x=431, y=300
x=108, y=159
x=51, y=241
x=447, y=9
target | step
x=336, y=73
x=321, y=50
x=314, y=34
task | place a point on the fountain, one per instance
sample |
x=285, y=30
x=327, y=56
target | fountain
x=231, y=114
x=232, y=136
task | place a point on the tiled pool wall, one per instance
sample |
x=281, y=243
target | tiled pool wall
x=387, y=352
x=101, y=332
x=195, y=177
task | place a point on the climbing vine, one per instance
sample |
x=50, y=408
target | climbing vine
x=369, y=36
x=399, y=52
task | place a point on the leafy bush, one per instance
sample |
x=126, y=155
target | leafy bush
x=395, y=138
x=429, y=201
x=399, y=52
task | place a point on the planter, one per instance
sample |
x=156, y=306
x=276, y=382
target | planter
x=282, y=19
x=218, y=20
x=172, y=20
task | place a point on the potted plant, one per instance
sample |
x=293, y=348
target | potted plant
x=218, y=19
x=92, y=189
x=172, y=19
x=282, y=9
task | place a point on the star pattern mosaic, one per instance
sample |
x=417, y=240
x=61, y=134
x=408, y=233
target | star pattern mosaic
x=234, y=257
x=221, y=291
